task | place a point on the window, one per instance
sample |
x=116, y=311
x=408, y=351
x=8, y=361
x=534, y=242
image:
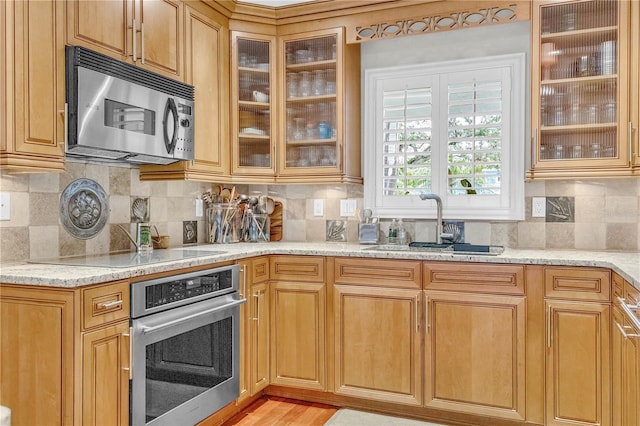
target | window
x=455, y=129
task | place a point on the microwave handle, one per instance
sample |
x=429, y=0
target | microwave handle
x=170, y=106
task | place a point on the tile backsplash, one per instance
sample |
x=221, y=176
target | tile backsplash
x=601, y=214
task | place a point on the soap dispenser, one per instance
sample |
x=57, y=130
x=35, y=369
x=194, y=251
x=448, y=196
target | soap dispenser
x=393, y=231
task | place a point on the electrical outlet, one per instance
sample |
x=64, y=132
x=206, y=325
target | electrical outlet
x=5, y=206
x=347, y=208
x=318, y=207
x=538, y=207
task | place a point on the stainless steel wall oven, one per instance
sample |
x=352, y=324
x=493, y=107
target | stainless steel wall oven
x=185, y=350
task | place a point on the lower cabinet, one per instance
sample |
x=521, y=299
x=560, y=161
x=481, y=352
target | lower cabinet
x=577, y=367
x=65, y=354
x=378, y=343
x=626, y=359
x=578, y=346
x=105, y=375
x=298, y=336
x=254, y=326
x=259, y=347
x=37, y=367
x=245, y=339
x=475, y=354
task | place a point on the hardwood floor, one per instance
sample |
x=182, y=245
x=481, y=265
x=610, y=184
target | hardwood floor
x=276, y=411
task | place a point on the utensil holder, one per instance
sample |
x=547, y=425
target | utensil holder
x=368, y=233
x=223, y=222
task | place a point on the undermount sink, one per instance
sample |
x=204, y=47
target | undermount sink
x=449, y=248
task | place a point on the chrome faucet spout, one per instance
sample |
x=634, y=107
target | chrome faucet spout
x=438, y=200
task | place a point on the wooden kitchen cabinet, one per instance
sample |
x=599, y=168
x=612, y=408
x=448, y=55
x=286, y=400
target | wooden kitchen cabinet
x=33, y=101
x=259, y=347
x=245, y=333
x=635, y=83
x=65, y=354
x=626, y=357
x=578, y=357
x=253, y=94
x=105, y=375
x=207, y=69
x=475, y=339
x=254, y=327
x=377, y=307
x=147, y=33
x=37, y=351
x=308, y=128
x=581, y=89
x=298, y=312
x=319, y=117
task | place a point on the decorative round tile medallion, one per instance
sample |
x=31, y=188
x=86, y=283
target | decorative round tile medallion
x=83, y=208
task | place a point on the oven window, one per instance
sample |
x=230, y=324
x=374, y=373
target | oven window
x=129, y=117
x=186, y=365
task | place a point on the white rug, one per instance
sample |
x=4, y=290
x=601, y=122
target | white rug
x=348, y=417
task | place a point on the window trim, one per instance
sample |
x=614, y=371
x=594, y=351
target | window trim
x=514, y=168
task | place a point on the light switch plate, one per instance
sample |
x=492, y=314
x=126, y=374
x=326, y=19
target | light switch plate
x=538, y=207
x=5, y=206
x=199, y=207
x=318, y=207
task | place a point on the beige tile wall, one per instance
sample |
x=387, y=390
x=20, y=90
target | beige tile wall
x=607, y=213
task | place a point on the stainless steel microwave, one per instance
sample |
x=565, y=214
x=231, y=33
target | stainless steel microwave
x=117, y=111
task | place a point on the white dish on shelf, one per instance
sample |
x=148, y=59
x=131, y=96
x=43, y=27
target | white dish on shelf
x=252, y=131
x=259, y=96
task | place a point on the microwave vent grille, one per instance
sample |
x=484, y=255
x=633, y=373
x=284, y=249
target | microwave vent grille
x=89, y=59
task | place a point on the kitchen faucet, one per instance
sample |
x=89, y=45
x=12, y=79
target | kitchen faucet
x=439, y=232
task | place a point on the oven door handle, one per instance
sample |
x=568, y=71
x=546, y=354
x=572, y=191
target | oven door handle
x=146, y=330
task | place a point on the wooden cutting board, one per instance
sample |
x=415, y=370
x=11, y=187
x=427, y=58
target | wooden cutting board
x=275, y=230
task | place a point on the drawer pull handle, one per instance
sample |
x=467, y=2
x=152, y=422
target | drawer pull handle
x=623, y=331
x=109, y=304
x=628, y=309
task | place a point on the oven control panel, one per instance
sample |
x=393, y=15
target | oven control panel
x=182, y=289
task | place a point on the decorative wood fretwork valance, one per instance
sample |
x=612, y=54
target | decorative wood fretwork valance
x=471, y=14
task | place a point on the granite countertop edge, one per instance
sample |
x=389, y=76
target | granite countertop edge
x=626, y=264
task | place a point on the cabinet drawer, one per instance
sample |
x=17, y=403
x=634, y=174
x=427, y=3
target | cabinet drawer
x=105, y=304
x=631, y=294
x=297, y=268
x=474, y=277
x=577, y=283
x=259, y=270
x=618, y=285
x=378, y=272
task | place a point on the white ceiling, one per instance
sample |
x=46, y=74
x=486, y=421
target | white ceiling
x=274, y=3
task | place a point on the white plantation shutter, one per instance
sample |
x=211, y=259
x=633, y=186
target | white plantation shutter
x=474, y=137
x=459, y=134
x=406, y=141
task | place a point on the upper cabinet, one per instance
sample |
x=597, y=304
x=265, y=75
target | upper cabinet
x=253, y=95
x=295, y=118
x=145, y=32
x=320, y=114
x=580, y=89
x=32, y=74
x=206, y=45
x=635, y=82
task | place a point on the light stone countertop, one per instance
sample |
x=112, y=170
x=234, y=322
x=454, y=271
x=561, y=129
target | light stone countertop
x=627, y=264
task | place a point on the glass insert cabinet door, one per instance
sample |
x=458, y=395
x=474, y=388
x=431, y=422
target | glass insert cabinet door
x=579, y=85
x=311, y=118
x=252, y=90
